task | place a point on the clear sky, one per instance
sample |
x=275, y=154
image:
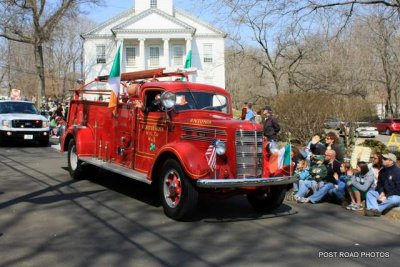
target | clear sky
x=114, y=7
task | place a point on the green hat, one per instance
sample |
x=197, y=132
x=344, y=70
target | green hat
x=318, y=158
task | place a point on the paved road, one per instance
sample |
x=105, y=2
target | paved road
x=47, y=219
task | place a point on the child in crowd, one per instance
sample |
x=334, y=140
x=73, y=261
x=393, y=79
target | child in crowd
x=339, y=190
x=359, y=184
x=318, y=173
x=302, y=173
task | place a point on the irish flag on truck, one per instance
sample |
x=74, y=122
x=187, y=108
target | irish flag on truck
x=114, y=81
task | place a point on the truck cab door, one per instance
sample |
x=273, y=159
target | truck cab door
x=152, y=129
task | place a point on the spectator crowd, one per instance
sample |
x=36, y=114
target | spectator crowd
x=324, y=173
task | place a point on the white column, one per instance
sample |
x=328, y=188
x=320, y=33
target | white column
x=188, y=44
x=142, y=52
x=166, y=52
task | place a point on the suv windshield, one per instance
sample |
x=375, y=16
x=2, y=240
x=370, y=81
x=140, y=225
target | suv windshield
x=192, y=100
x=18, y=107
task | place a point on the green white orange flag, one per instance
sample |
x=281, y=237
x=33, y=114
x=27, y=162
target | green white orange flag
x=188, y=61
x=114, y=81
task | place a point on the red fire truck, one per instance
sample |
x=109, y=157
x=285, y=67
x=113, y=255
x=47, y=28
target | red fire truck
x=178, y=135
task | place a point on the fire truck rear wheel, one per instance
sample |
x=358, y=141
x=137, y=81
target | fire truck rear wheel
x=267, y=202
x=178, y=194
x=74, y=165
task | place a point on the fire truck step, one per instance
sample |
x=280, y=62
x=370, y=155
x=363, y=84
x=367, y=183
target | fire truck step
x=116, y=169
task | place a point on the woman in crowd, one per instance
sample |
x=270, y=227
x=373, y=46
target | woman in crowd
x=359, y=185
x=332, y=142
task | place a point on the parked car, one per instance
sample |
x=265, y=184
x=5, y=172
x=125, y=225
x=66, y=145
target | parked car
x=388, y=126
x=333, y=124
x=366, y=131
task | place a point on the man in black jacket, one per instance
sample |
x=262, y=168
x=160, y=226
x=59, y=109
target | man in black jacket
x=271, y=125
x=387, y=193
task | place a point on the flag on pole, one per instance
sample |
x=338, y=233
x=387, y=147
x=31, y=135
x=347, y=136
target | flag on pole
x=211, y=156
x=114, y=81
x=188, y=61
x=280, y=159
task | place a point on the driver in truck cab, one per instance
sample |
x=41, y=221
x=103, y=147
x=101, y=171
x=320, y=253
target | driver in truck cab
x=155, y=105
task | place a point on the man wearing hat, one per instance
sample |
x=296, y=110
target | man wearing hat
x=387, y=194
x=271, y=125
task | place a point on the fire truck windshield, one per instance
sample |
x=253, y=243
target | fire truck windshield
x=194, y=100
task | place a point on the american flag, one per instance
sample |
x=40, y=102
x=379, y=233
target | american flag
x=211, y=156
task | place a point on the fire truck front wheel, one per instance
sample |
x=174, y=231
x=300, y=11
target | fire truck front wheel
x=74, y=165
x=267, y=201
x=178, y=193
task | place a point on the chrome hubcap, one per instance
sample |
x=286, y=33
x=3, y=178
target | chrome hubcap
x=172, y=188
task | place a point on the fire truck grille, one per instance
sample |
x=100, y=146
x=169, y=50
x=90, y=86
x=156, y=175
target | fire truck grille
x=27, y=124
x=249, y=153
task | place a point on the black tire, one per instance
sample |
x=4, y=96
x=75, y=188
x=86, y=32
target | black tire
x=44, y=142
x=267, y=202
x=388, y=131
x=178, y=194
x=75, y=167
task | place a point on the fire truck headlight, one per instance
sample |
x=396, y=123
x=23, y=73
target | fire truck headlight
x=220, y=147
x=168, y=99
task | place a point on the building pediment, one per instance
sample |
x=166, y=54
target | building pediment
x=152, y=19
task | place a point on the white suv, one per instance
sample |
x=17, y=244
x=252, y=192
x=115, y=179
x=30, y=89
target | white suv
x=21, y=120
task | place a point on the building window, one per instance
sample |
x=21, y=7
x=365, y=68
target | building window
x=153, y=4
x=101, y=54
x=207, y=53
x=154, y=56
x=178, y=56
x=130, y=56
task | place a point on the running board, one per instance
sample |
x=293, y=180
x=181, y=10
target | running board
x=112, y=167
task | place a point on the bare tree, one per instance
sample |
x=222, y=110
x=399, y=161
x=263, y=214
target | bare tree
x=33, y=22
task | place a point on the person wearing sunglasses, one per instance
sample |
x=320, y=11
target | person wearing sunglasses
x=387, y=193
x=332, y=142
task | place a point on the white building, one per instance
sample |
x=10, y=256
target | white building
x=155, y=34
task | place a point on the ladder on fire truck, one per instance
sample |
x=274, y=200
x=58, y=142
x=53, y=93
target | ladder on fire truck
x=153, y=74
x=135, y=77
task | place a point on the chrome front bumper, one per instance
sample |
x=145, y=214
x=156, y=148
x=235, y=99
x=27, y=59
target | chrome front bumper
x=243, y=182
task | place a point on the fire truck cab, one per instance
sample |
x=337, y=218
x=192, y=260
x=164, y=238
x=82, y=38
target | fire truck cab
x=178, y=135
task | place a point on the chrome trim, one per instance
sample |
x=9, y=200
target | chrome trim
x=203, y=130
x=249, y=153
x=199, y=138
x=117, y=169
x=243, y=182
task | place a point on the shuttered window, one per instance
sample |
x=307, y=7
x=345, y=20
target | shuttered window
x=154, y=56
x=207, y=53
x=101, y=54
x=130, y=56
x=178, y=56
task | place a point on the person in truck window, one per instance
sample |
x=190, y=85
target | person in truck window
x=155, y=105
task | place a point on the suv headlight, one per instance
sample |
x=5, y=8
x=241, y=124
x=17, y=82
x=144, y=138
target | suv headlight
x=45, y=124
x=220, y=147
x=5, y=123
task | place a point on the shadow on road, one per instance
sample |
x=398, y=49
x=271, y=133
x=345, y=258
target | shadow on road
x=210, y=210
